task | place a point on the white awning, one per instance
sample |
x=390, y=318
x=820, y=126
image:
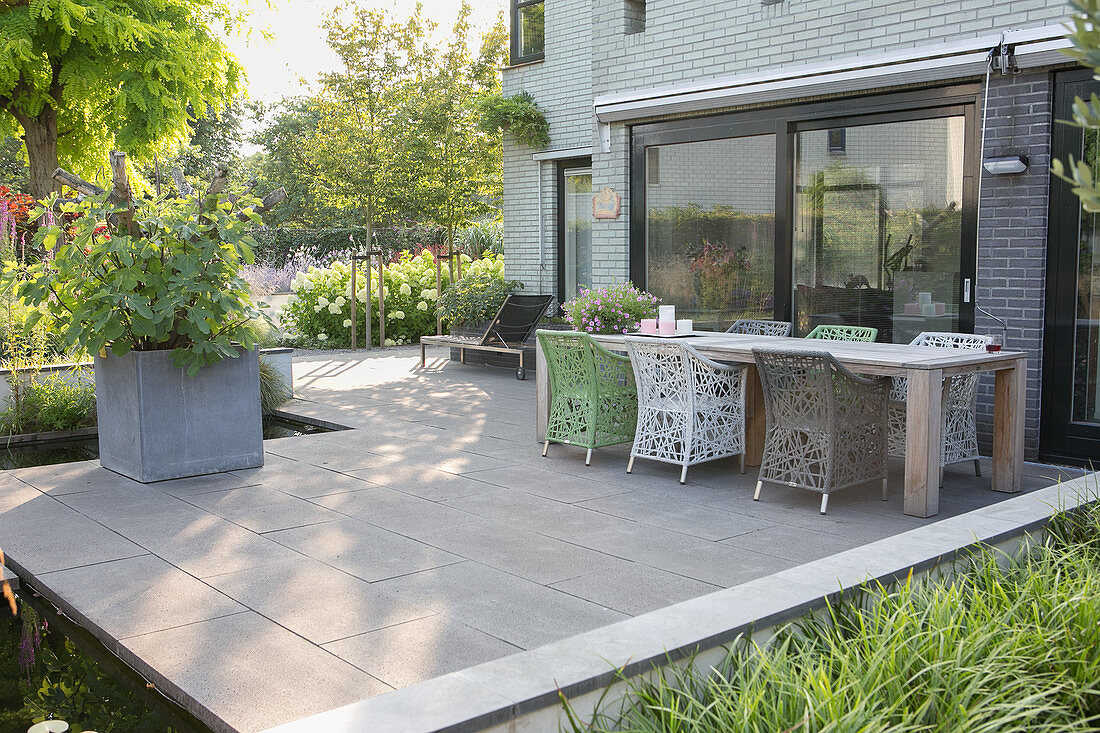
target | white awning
x=563, y=153
x=1034, y=47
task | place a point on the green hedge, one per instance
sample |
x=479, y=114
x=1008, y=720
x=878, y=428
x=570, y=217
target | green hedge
x=277, y=246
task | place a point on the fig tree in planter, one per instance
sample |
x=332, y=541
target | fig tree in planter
x=152, y=289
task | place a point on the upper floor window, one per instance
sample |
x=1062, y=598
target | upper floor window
x=528, y=30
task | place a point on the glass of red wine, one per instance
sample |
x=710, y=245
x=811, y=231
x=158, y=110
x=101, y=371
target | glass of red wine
x=995, y=342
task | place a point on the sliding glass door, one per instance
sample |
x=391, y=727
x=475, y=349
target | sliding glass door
x=877, y=226
x=575, y=220
x=857, y=212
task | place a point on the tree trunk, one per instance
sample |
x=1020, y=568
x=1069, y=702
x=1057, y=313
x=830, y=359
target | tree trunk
x=40, y=135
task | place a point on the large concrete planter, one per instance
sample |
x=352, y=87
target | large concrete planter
x=157, y=423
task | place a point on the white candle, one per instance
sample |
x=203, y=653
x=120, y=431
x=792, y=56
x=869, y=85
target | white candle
x=683, y=325
x=666, y=313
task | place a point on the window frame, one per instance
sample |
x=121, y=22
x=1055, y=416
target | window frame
x=513, y=42
x=785, y=122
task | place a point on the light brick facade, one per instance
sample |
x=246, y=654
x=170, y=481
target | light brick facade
x=599, y=47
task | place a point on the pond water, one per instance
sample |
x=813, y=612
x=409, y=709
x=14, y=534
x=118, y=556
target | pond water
x=52, y=669
x=87, y=448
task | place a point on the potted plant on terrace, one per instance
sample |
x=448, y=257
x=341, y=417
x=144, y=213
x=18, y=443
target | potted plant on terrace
x=152, y=289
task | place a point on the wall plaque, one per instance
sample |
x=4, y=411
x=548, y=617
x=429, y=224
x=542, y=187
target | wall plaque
x=606, y=204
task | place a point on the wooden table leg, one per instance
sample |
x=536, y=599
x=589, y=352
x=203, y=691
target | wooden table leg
x=542, y=393
x=1008, y=428
x=755, y=418
x=923, y=441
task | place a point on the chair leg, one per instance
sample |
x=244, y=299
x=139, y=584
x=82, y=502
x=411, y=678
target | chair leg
x=941, y=477
x=588, y=458
x=545, y=447
x=977, y=468
x=756, y=496
x=742, y=463
x=884, y=494
x=684, y=475
x=824, y=502
x=630, y=465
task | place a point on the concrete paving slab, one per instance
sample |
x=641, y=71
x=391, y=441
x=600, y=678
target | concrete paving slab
x=138, y=595
x=214, y=546
x=518, y=551
x=634, y=589
x=696, y=520
x=315, y=600
x=797, y=544
x=253, y=672
x=419, y=650
x=547, y=483
x=397, y=511
x=537, y=513
x=302, y=480
x=363, y=550
x=427, y=483
x=262, y=509
x=69, y=478
x=510, y=608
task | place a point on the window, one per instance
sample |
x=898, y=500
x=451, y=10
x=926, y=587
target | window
x=528, y=30
x=634, y=16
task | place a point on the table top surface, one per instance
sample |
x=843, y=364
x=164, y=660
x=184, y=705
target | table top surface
x=879, y=356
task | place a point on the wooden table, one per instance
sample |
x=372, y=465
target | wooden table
x=929, y=371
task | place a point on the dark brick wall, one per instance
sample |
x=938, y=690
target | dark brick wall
x=1012, y=234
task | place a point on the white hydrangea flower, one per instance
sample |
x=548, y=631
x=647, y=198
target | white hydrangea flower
x=426, y=293
x=361, y=296
x=334, y=309
x=308, y=286
x=317, y=309
x=347, y=323
x=322, y=301
x=390, y=342
x=422, y=306
x=405, y=289
x=322, y=337
x=340, y=301
x=399, y=314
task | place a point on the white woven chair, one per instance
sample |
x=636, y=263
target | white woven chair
x=690, y=409
x=761, y=328
x=959, y=427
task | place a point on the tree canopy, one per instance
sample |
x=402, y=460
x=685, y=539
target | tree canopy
x=80, y=77
x=393, y=134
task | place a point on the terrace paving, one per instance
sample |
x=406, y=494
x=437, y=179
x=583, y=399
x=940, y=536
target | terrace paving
x=430, y=538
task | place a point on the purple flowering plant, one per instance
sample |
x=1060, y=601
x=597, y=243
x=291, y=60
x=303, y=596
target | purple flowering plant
x=616, y=309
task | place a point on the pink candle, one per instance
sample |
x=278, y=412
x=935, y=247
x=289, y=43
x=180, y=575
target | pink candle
x=666, y=328
x=649, y=326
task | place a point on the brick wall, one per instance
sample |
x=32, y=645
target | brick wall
x=1012, y=237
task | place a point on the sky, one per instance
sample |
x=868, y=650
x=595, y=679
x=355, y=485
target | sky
x=297, y=48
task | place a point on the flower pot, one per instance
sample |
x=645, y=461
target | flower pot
x=157, y=423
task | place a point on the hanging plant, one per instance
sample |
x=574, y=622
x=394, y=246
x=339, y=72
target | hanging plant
x=519, y=115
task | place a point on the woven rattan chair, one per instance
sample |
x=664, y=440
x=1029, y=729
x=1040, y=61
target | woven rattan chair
x=760, y=328
x=959, y=411
x=833, y=332
x=826, y=427
x=593, y=400
x=690, y=409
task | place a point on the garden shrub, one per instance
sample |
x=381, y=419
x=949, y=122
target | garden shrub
x=479, y=294
x=56, y=401
x=1006, y=644
x=323, y=246
x=320, y=313
x=275, y=390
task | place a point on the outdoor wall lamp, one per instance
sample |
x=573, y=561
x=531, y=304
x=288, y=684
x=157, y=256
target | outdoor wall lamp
x=1006, y=164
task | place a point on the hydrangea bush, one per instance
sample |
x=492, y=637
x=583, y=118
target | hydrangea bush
x=617, y=309
x=319, y=314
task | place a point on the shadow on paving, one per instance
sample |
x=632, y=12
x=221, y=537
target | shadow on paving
x=432, y=537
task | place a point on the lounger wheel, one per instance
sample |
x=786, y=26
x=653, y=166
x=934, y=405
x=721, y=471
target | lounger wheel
x=521, y=373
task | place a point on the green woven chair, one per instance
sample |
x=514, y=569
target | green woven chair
x=843, y=333
x=593, y=398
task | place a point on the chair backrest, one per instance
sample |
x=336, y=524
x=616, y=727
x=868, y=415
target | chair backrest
x=516, y=319
x=662, y=372
x=833, y=332
x=761, y=327
x=576, y=364
x=947, y=340
x=799, y=387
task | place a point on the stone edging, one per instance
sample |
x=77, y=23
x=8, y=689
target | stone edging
x=522, y=690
